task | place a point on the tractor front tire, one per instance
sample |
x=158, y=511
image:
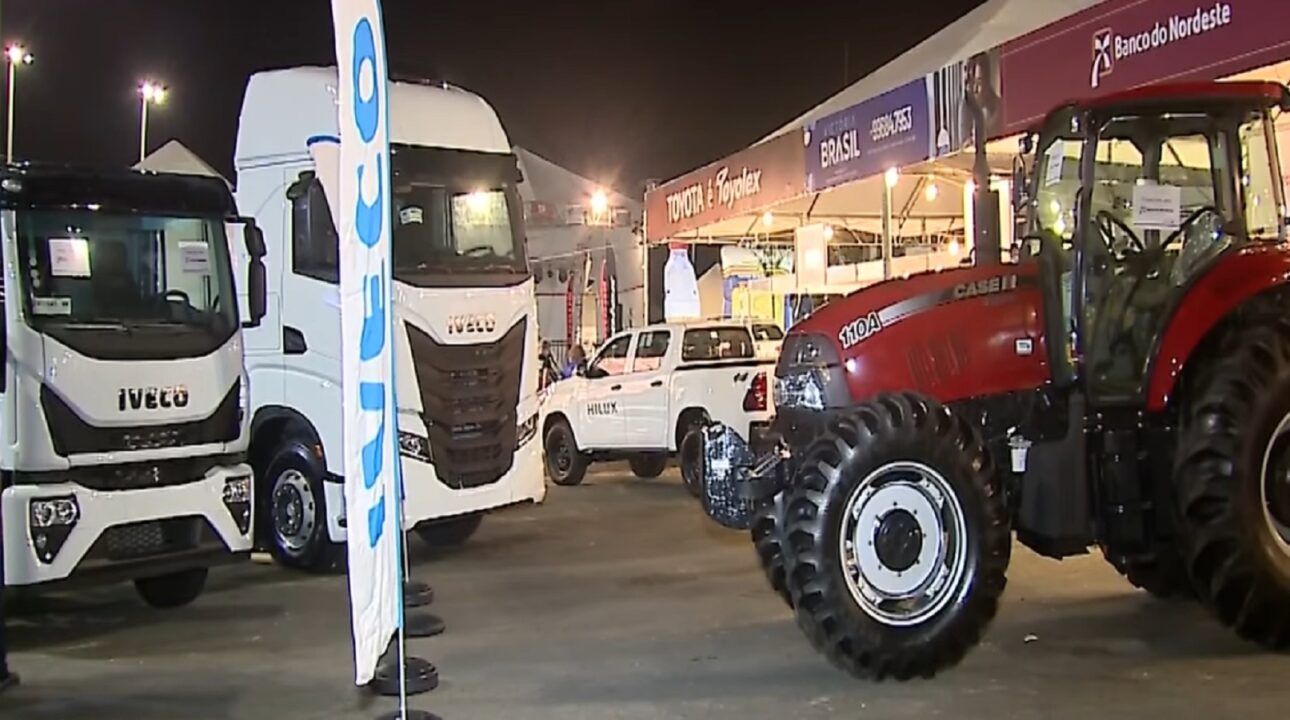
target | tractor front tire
x=1164, y=577
x=767, y=529
x=1233, y=484
x=898, y=539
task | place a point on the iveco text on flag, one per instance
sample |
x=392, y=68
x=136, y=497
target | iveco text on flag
x=372, y=502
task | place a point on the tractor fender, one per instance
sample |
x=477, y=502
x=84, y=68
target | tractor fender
x=1211, y=298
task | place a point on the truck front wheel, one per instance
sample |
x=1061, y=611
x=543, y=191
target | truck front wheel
x=174, y=590
x=294, y=512
x=898, y=539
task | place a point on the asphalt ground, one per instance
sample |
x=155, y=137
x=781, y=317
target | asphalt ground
x=618, y=599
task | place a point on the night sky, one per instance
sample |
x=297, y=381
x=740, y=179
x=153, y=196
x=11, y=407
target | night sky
x=617, y=91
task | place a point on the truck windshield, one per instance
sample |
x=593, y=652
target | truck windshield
x=456, y=213
x=85, y=268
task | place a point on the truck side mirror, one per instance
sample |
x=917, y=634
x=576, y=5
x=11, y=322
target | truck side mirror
x=256, y=278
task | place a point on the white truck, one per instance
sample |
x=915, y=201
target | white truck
x=646, y=394
x=123, y=399
x=465, y=340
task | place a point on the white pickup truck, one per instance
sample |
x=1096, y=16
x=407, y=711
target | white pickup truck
x=648, y=390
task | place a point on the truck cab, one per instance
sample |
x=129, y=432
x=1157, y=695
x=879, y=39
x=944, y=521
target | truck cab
x=124, y=417
x=465, y=313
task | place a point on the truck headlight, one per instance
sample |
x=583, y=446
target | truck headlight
x=237, y=499
x=526, y=431
x=51, y=521
x=237, y=490
x=415, y=447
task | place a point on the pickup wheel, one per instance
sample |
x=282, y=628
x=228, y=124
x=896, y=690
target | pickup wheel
x=564, y=463
x=648, y=466
x=689, y=450
x=174, y=590
x=293, y=511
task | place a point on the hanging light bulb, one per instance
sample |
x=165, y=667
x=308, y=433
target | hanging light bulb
x=932, y=192
x=828, y=232
x=767, y=218
x=893, y=177
x=954, y=247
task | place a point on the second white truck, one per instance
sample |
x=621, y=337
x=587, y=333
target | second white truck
x=465, y=340
x=646, y=394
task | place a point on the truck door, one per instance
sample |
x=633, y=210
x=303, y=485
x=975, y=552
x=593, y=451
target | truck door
x=601, y=423
x=645, y=392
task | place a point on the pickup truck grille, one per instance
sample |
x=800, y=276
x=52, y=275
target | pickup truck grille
x=469, y=398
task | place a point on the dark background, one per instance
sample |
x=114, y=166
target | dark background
x=617, y=91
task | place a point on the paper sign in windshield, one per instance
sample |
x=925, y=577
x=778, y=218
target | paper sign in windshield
x=69, y=257
x=1157, y=207
x=51, y=305
x=194, y=257
x=1056, y=161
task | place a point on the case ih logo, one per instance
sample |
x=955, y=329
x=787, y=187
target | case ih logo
x=1103, y=58
x=461, y=324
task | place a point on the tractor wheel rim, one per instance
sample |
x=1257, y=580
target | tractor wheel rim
x=294, y=512
x=1275, y=485
x=903, y=544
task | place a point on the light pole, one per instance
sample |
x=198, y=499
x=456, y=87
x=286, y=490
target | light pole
x=15, y=55
x=149, y=93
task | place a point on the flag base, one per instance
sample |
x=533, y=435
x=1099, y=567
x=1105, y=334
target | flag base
x=417, y=594
x=421, y=677
x=412, y=715
x=422, y=625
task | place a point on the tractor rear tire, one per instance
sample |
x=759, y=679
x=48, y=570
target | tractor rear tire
x=768, y=537
x=1233, y=484
x=898, y=537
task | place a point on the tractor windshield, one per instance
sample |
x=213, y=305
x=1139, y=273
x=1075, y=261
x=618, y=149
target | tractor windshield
x=1166, y=195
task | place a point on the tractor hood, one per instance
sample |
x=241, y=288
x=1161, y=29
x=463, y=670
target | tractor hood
x=951, y=334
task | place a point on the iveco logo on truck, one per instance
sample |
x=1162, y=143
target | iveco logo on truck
x=989, y=286
x=151, y=398
x=461, y=324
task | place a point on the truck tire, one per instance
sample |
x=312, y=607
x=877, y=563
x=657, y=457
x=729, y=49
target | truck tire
x=565, y=465
x=1233, y=484
x=449, y=532
x=293, y=511
x=648, y=466
x=175, y=590
x=768, y=537
x=899, y=539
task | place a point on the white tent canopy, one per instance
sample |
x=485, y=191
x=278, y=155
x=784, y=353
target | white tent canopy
x=175, y=157
x=986, y=27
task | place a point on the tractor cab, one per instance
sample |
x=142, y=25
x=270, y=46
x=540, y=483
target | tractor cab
x=1129, y=200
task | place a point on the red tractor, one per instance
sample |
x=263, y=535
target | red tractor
x=1125, y=386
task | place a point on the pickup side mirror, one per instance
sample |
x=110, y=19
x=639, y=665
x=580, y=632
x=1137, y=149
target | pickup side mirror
x=593, y=373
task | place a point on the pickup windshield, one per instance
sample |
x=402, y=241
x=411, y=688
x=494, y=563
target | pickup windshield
x=86, y=269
